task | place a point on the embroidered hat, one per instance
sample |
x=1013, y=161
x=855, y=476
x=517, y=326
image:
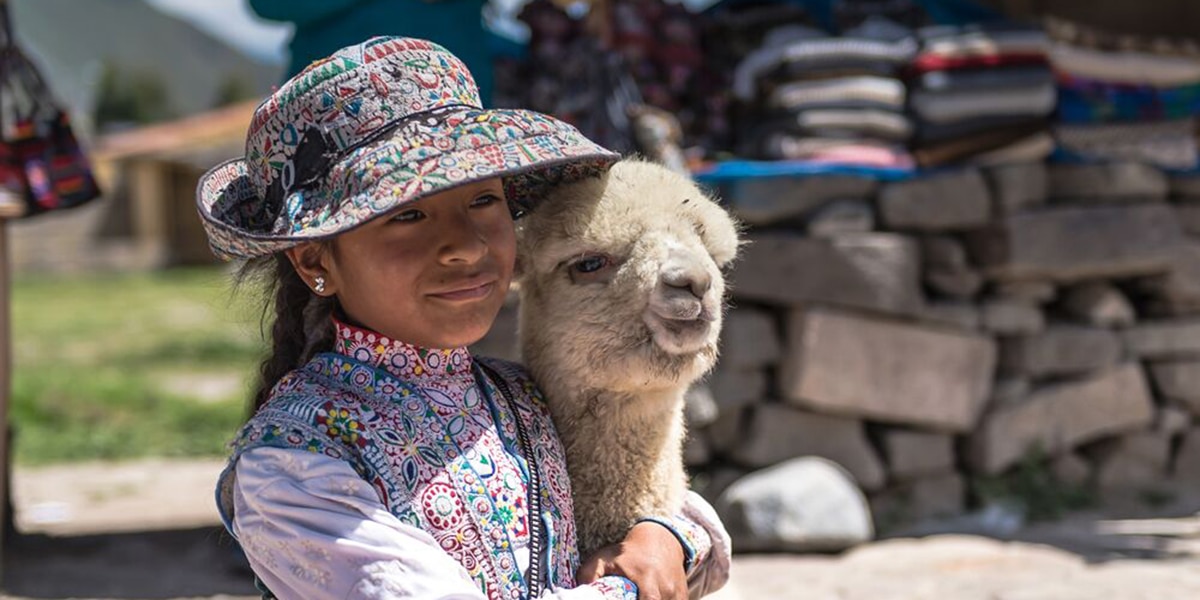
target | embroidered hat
x=373, y=127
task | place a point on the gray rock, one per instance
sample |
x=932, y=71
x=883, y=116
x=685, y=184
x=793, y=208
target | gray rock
x=699, y=407
x=876, y=271
x=1099, y=304
x=1172, y=420
x=994, y=520
x=1012, y=317
x=1071, y=469
x=914, y=504
x=940, y=496
x=1189, y=217
x=1060, y=417
x=734, y=389
x=771, y=200
x=1178, y=380
x=947, y=270
x=1187, y=460
x=955, y=283
x=913, y=454
x=842, y=216
x=727, y=432
x=695, y=449
x=944, y=252
x=896, y=373
x=712, y=483
x=942, y=202
x=1185, y=186
x=1033, y=292
x=961, y=315
x=1060, y=350
x=1163, y=339
x=1074, y=244
x=1133, y=461
x=749, y=339
x=1179, y=287
x=803, y=505
x=1018, y=187
x=1010, y=390
x=1106, y=182
x=778, y=432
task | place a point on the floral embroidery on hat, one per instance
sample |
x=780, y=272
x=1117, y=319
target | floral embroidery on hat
x=368, y=129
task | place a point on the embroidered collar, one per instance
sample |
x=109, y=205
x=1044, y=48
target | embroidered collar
x=405, y=361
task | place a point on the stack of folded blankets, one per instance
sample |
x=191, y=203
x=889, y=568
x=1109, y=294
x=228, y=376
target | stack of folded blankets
x=1125, y=98
x=809, y=96
x=982, y=94
x=731, y=30
x=846, y=14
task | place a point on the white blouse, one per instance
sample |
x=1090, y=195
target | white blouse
x=312, y=528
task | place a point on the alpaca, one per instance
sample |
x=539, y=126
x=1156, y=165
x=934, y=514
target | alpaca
x=621, y=305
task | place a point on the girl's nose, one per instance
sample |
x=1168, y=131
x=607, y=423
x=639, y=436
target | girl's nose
x=463, y=240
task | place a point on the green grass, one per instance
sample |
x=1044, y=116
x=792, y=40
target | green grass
x=117, y=366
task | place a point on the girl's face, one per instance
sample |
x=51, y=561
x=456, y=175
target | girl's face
x=433, y=273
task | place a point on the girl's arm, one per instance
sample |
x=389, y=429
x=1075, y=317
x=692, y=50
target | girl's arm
x=698, y=538
x=313, y=529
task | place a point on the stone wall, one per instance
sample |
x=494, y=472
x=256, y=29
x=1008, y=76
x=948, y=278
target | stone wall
x=927, y=333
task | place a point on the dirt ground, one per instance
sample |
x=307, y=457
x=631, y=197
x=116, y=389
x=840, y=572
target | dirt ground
x=149, y=530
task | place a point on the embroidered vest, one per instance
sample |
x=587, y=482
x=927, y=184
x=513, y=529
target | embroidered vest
x=431, y=459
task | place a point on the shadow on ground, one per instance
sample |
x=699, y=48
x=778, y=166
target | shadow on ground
x=149, y=565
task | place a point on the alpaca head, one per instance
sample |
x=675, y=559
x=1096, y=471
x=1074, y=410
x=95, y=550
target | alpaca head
x=621, y=282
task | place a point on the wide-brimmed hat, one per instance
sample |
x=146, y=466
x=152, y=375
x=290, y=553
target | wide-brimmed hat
x=368, y=129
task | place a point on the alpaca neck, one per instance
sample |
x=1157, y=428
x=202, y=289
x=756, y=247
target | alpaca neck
x=640, y=439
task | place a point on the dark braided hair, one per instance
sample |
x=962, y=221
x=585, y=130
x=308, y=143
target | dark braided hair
x=301, y=328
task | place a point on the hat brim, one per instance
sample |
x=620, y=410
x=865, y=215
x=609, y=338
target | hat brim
x=530, y=151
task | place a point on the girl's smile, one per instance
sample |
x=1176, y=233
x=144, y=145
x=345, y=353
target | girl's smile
x=469, y=289
x=433, y=273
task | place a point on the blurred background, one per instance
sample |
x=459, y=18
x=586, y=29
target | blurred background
x=963, y=352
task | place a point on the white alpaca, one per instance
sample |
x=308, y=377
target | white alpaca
x=621, y=305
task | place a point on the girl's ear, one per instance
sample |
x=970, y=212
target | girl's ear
x=311, y=261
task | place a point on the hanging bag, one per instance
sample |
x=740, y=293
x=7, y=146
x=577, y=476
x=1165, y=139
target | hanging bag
x=40, y=159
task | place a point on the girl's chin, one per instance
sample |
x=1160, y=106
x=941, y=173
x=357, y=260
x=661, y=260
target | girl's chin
x=460, y=332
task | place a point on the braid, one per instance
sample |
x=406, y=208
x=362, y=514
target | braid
x=301, y=328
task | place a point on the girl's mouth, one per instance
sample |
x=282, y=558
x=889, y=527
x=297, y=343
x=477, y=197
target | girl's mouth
x=470, y=290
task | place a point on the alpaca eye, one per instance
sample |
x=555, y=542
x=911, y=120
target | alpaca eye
x=589, y=268
x=591, y=264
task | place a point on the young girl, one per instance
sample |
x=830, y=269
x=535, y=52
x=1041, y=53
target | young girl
x=384, y=461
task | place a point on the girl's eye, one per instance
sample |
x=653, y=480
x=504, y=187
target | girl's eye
x=409, y=216
x=485, y=200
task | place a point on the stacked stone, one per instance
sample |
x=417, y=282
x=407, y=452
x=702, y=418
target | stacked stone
x=924, y=332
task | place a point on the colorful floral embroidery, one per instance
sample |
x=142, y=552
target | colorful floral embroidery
x=441, y=452
x=370, y=128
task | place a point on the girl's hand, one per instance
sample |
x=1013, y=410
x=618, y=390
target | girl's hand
x=650, y=556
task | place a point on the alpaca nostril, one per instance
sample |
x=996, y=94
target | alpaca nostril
x=697, y=285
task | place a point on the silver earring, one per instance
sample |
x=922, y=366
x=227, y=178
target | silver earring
x=319, y=285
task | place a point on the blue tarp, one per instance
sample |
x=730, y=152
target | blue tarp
x=733, y=170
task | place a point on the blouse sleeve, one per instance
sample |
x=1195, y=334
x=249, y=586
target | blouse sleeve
x=709, y=570
x=706, y=547
x=313, y=529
